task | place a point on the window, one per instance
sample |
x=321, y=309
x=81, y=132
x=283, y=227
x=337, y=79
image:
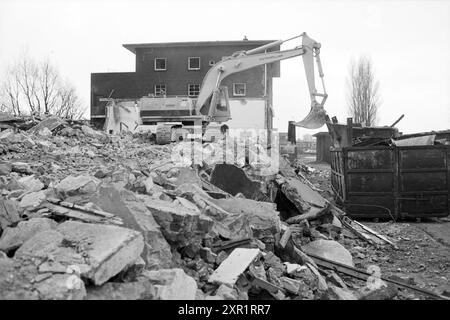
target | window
x=193, y=63
x=160, y=89
x=193, y=90
x=211, y=62
x=239, y=89
x=160, y=64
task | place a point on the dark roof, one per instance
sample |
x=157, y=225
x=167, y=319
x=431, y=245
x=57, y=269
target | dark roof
x=132, y=47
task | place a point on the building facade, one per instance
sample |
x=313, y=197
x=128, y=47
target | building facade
x=177, y=69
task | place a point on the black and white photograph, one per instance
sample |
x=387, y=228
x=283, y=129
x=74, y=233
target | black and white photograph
x=225, y=158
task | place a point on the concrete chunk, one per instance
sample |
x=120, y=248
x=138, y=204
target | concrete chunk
x=172, y=284
x=82, y=184
x=99, y=251
x=13, y=238
x=330, y=250
x=8, y=213
x=262, y=217
x=31, y=183
x=136, y=216
x=179, y=224
x=32, y=200
x=233, y=266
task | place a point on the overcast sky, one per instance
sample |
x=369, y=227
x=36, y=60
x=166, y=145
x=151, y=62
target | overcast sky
x=408, y=42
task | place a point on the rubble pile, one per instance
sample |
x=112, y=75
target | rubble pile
x=87, y=215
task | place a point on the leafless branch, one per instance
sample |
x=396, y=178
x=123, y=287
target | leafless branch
x=363, y=92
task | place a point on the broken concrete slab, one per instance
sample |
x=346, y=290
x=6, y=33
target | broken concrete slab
x=179, y=224
x=8, y=213
x=13, y=238
x=262, y=217
x=51, y=123
x=31, y=184
x=172, y=284
x=233, y=266
x=32, y=200
x=82, y=184
x=234, y=180
x=99, y=251
x=181, y=175
x=300, y=194
x=88, y=131
x=135, y=215
x=330, y=250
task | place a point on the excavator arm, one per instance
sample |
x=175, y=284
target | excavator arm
x=211, y=93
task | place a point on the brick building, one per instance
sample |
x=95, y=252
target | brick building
x=177, y=69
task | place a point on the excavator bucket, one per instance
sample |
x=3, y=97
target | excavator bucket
x=315, y=118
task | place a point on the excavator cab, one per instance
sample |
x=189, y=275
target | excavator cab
x=218, y=108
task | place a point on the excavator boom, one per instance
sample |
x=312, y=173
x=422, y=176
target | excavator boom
x=210, y=92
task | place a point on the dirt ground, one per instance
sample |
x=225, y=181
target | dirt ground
x=423, y=255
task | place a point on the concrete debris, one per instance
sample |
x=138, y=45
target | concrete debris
x=172, y=284
x=13, y=238
x=5, y=169
x=381, y=292
x=71, y=185
x=90, y=215
x=31, y=184
x=234, y=180
x=336, y=293
x=21, y=281
x=233, y=266
x=21, y=167
x=99, y=251
x=331, y=250
x=179, y=224
x=32, y=200
x=8, y=213
x=136, y=216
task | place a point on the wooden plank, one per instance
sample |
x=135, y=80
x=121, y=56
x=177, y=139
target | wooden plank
x=363, y=275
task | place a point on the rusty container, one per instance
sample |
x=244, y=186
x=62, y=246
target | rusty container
x=392, y=182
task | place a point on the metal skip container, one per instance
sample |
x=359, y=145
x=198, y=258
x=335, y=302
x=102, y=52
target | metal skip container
x=392, y=181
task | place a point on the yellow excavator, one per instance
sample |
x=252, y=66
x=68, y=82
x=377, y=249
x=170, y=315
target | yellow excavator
x=212, y=103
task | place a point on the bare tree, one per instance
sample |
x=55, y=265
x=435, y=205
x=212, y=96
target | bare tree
x=37, y=87
x=48, y=85
x=363, y=92
x=27, y=76
x=69, y=103
x=10, y=93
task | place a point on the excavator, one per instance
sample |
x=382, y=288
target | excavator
x=212, y=104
